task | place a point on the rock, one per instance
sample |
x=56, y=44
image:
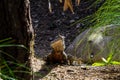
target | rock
x=71, y=21
x=93, y=44
x=78, y=25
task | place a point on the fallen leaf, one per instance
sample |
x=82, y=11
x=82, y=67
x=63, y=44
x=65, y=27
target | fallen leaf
x=60, y=1
x=68, y=4
x=49, y=6
x=78, y=2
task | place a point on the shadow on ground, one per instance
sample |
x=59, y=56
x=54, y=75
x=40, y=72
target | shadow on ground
x=45, y=70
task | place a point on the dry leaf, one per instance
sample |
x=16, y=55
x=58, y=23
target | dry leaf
x=60, y=1
x=49, y=6
x=65, y=6
x=68, y=4
x=78, y=2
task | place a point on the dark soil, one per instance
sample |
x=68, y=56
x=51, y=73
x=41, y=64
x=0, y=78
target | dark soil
x=48, y=25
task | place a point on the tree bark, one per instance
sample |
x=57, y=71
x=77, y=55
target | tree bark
x=15, y=22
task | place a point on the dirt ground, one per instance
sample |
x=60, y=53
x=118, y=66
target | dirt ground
x=68, y=72
x=48, y=25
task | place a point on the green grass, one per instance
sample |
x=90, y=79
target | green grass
x=107, y=13
x=107, y=61
x=6, y=72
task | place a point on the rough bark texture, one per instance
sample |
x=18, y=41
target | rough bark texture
x=15, y=22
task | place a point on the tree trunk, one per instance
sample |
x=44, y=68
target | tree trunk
x=15, y=22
